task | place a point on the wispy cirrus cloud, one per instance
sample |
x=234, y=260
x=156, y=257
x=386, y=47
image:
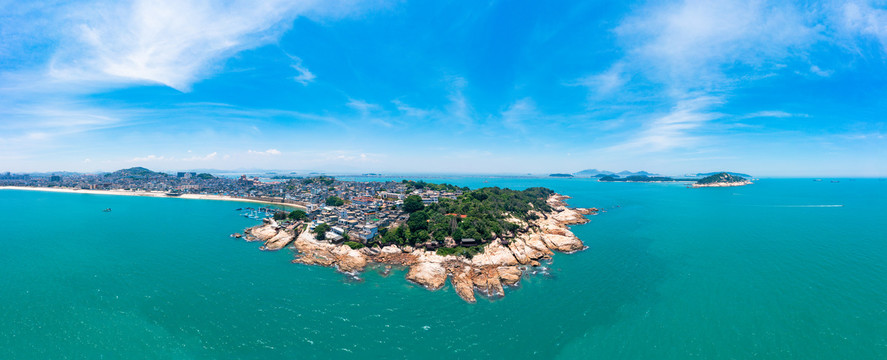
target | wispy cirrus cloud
x=305, y=76
x=268, y=152
x=175, y=42
x=149, y=158
x=208, y=157
x=692, y=45
x=694, y=53
x=679, y=128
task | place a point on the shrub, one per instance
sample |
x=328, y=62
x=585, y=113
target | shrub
x=354, y=244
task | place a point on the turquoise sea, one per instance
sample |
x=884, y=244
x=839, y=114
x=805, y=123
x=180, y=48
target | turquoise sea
x=782, y=269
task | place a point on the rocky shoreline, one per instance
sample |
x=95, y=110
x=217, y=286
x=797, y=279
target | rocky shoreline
x=723, y=184
x=501, y=264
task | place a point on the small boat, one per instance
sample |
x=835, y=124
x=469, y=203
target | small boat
x=817, y=180
x=107, y=210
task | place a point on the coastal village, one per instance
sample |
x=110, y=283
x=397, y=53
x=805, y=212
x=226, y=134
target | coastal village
x=363, y=208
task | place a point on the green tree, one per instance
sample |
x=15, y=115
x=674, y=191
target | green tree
x=298, y=215
x=320, y=231
x=334, y=201
x=413, y=203
x=418, y=221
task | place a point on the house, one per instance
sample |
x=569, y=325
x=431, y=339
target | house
x=468, y=242
x=333, y=238
x=367, y=229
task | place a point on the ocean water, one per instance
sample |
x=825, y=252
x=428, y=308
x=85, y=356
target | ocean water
x=782, y=269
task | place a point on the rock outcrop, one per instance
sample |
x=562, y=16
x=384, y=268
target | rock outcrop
x=428, y=274
x=275, y=236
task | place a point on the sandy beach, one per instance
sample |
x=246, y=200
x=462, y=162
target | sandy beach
x=148, y=194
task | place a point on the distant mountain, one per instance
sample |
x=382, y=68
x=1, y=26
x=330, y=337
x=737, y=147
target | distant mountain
x=638, y=178
x=593, y=173
x=561, y=175
x=723, y=172
x=601, y=173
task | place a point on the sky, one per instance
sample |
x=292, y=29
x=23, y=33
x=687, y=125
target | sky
x=673, y=87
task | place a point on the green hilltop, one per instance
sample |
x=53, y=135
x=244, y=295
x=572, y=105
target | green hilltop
x=721, y=178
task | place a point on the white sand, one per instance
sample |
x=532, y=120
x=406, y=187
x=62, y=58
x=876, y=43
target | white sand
x=147, y=193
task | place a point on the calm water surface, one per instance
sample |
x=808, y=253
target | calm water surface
x=782, y=269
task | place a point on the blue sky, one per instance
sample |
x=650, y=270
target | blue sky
x=767, y=88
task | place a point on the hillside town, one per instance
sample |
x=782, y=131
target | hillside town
x=353, y=210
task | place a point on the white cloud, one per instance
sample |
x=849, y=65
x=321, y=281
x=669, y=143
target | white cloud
x=458, y=109
x=208, y=157
x=175, y=42
x=264, y=153
x=692, y=44
x=519, y=113
x=816, y=70
x=771, y=114
x=606, y=82
x=305, y=76
x=148, y=158
x=677, y=129
x=362, y=106
x=410, y=111
x=860, y=17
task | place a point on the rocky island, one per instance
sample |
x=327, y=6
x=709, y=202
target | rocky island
x=483, y=240
x=721, y=180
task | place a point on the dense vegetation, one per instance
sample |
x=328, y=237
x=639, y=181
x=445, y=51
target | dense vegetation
x=421, y=185
x=334, y=201
x=297, y=215
x=721, y=178
x=136, y=173
x=413, y=203
x=478, y=214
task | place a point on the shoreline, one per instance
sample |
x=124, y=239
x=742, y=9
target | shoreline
x=723, y=184
x=157, y=194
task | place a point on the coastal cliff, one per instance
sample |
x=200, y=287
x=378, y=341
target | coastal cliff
x=502, y=263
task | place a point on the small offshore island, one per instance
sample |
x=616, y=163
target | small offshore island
x=721, y=180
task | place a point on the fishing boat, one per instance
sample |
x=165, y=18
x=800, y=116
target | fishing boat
x=107, y=210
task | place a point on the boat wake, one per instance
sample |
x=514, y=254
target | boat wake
x=808, y=206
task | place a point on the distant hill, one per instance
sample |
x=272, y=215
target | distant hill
x=136, y=172
x=723, y=172
x=601, y=173
x=639, y=173
x=722, y=178
x=561, y=175
x=593, y=173
x=638, y=178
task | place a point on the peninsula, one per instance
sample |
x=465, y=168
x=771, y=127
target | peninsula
x=482, y=240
